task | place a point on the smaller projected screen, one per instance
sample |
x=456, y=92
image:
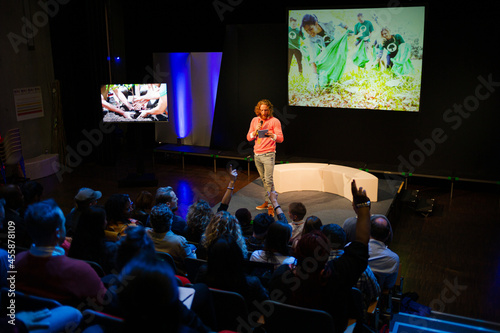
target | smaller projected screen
x=134, y=102
x=363, y=58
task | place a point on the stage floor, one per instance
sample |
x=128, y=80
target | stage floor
x=330, y=208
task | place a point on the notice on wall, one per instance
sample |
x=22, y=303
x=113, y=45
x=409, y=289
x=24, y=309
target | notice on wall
x=28, y=102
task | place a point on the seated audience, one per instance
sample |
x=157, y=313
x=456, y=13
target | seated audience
x=85, y=198
x=165, y=240
x=367, y=282
x=223, y=223
x=166, y=195
x=313, y=282
x=142, y=206
x=245, y=218
x=261, y=224
x=149, y=299
x=225, y=271
x=296, y=211
x=199, y=215
x=276, y=249
x=14, y=202
x=137, y=242
x=383, y=262
x=89, y=241
x=311, y=223
x=118, y=208
x=44, y=270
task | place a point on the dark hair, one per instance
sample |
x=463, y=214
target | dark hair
x=312, y=223
x=278, y=236
x=42, y=219
x=149, y=300
x=298, y=209
x=335, y=234
x=144, y=201
x=31, y=190
x=115, y=208
x=89, y=237
x=161, y=218
x=134, y=242
x=163, y=195
x=379, y=231
x=244, y=216
x=308, y=19
x=225, y=265
x=261, y=223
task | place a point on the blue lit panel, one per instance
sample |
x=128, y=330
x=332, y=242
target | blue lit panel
x=181, y=88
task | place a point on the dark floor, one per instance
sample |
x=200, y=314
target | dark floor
x=450, y=258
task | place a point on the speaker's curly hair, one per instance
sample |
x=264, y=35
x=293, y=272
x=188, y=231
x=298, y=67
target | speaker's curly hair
x=264, y=102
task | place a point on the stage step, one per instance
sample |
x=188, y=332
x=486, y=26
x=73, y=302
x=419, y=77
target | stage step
x=403, y=322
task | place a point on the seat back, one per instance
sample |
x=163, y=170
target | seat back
x=107, y=322
x=166, y=257
x=229, y=307
x=192, y=267
x=281, y=317
x=97, y=268
x=26, y=302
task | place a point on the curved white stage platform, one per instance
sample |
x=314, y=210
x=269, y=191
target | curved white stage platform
x=323, y=177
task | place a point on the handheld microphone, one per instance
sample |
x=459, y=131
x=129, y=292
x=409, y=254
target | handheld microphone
x=261, y=123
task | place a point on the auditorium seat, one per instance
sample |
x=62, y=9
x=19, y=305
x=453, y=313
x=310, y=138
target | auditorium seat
x=281, y=317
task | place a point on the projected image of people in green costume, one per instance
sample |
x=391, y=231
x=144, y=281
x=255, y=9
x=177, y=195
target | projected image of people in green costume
x=327, y=54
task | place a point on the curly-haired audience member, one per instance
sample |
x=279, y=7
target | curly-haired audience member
x=221, y=224
x=199, y=215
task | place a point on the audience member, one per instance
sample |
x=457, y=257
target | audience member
x=223, y=223
x=261, y=224
x=142, y=206
x=166, y=195
x=89, y=241
x=199, y=215
x=245, y=219
x=118, y=208
x=276, y=249
x=14, y=202
x=225, y=271
x=165, y=240
x=296, y=211
x=313, y=282
x=383, y=262
x=135, y=241
x=149, y=299
x=44, y=270
x=311, y=223
x=85, y=198
x=349, y=227
x=32, y=192
x=367, y=282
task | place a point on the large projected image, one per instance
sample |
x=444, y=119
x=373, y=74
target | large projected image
x=134, y=102
x=363, y=58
